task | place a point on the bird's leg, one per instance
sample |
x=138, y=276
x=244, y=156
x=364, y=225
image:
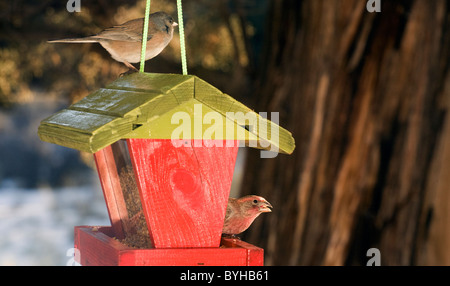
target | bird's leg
x=131, y=70
x=232, y=236
x=127, y=73
x=130, y=66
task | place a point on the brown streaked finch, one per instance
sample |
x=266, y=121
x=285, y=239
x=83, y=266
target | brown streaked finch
x=242, y=212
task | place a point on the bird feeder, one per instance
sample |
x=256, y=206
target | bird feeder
x=165, y=147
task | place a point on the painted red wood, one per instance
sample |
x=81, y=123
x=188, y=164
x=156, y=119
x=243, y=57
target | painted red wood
x=184, y=190
x=96, y=247
x=112, y=191
x=255, y=255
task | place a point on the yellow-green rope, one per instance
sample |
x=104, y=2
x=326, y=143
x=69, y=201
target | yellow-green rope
x=182, y=46
x=144, y=36
x=181, y=29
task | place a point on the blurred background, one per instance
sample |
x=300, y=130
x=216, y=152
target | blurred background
x=365, y=95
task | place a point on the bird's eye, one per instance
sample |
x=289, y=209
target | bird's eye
x=255, y=202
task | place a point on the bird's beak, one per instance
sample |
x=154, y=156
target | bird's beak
x=174, y=24
x=265, y=207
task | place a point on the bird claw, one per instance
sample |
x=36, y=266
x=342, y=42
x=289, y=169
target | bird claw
x=231, y=236
x=130, y=71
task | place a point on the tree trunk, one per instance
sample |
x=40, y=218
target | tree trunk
x=366, y=97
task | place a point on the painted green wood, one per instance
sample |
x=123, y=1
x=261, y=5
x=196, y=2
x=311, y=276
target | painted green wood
x=146, y=105
x=152, y=81
x=244, y=116
x=213, y=125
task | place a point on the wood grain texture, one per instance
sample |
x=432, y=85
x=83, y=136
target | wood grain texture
x=366, y=97
x=97, y=248
x=184, y=190
x=255, y=255
x=112, y=190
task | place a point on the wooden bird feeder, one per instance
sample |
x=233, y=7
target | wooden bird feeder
x=166, y=196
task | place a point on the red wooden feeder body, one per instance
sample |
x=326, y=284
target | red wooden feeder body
x=182, y=191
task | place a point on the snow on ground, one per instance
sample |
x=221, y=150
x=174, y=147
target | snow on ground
x=36, y=226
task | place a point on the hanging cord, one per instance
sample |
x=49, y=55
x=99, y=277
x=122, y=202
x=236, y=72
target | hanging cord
x=144, y=36
x=181, y=30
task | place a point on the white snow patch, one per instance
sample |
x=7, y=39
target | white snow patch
x=36, y=226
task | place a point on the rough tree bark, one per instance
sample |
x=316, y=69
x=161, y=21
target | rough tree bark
x=366, y=97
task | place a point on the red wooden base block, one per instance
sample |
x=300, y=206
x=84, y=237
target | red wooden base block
x=96, y=247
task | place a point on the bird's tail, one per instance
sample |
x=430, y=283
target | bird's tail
x=76, y=40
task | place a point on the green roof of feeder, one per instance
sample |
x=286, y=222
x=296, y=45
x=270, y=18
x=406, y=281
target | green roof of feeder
x=160, y=106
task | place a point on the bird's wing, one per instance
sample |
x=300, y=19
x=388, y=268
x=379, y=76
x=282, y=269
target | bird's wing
x=228, y=213
x=231, y=210
x=130, y=31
